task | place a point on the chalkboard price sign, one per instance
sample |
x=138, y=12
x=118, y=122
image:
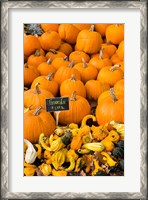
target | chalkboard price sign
x=57, y=104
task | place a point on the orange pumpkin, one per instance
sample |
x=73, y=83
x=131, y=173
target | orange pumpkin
x=115, y=58
x=68, y=33
x=46, y=83
x=89, y=41
x=119, y=87
x=120, y=50
x=50, y=40
x=111, y=108
x=36, y=122
x=115, y=33
x=100, y=62
x=72, y=84
x=65, y=72
x=52, y=54
x=78, y=109
x=110, y=74
x=30, y=73
x=101, y=28
x=31, y=44
x=66, y=48
x=36, y=97
x=60, y=61
x=82, y=26
x=36, y=59
x=46, y=68
x=50, y=27
x=94, y=88
x=87, y=71
x=77, y=56
x=108, y=48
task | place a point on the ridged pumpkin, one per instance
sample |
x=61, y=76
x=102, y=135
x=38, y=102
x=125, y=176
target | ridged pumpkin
x=110, y=75
x=77, y=56
x=36, y=59
x=68, y=33
x=115, y=33
x=101, y=28
x=78, y=109
x=50, y=40
x=82, y=26
x=46, y=68
x=111, y=108
x=66, y=48
x=34, y=98
x=109, y=48
x=50, y=27
x=119, y=87
x=89, y=41
x=52, y=54
x=86, y=70
x=72, y=84
x=120, y=50
x=31, y=44
x=65, y=72
x=60, y=61
x=36, y=122
x=115, y=58
x=46, y=83
x=100, y=62
x=30, y=73
x=94, y=88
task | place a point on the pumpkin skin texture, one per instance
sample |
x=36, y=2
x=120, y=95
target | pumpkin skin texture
x=66, y=48
x=46, y=68
x=94, y=88
x=120, y=50
x=77, y=56
x=109, y=49
x=101, y=28
x=50, y=40
x=46, y=83
x=78, y=109
x=50, y=27
x=59, y=61
x=36, y=59
x=110, y=75
x=119, y=87
x=115, y=33
x=36, y=122
x=115, y=59
x=111, y=108
x=65, y=72
x=87, y=71
x=30, y=73
x=52, y=54
x=72, y=84
x=34, y=98
x=82, y=26
x=89, y=41
x=68, y=33
x=31, y=44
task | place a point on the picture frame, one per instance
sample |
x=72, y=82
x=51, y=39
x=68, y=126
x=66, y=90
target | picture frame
x=7, y=145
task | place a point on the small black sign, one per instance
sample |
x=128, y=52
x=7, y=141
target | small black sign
x=57, y=104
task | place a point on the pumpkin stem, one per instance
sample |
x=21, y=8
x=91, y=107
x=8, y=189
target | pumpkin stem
x=65, y=58
x=49, y=61
x=37, y=88
x=101, y=53
x=73, y=96
x=37, y=111
x=36, y=35
x=73, y=78
x=71, y=64
x=92, y=28
x=108, y=42
x=116, y=24
x=53, y=51
x=84, y=62
x=114, y=98
x=25, y=65
x=49, y=76
x=115, y=67
x=37, y=53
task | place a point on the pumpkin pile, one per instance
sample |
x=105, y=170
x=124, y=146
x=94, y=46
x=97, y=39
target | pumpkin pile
x=85, y=63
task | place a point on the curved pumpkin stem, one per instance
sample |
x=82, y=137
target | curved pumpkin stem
x=101, y=53
x=113, y=96
x=49, y=76
x=115, y=67
x=25, y=65
x=92, y=28
x=73, y=96
x=49, y=61
x=37, y=53
x=37, y=88
x=73, y=78
x=71, y=64
x=53, y=51
x=84, y=62
x=37, y=111
x=65, y=58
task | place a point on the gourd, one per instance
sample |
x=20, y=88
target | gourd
x=109, y=48
x=66, y=48
x=120, y=50
x=52, y=54
x=46, y=68
x=37, y=121
x=77, y=56
x=49, y=27
x=82, y=26
x=101, y=28
x=60, y=61
x=30, y=73
x=119, y=87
